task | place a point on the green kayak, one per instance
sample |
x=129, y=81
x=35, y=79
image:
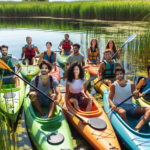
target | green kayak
x=28, y=72
x=86, y=76
x=62, y=59
x=40, y=129
x=11, y=99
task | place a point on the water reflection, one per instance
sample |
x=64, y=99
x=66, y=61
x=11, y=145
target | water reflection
x=134, y=56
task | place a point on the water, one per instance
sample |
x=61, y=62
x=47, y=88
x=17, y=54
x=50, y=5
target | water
x=13, y=33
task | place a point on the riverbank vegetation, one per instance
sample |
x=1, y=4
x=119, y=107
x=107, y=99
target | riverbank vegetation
x=102, y=10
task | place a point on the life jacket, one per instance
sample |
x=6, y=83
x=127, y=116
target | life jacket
x=51, y=58
x=146, y=86
x=29, y=53
x=93, y=54
x=37, y=81
x=6, y=72
x=109, y=72
x=66, y=45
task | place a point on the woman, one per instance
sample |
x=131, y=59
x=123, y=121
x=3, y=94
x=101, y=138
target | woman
x=75, y=83
x=111, y=45
x=93, y=52
x=48, y=55
x=144, y=84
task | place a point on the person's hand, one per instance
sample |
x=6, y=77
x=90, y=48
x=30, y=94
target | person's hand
x=56, y=102
x=20, y=59
x=120, y=49
x=142, y=94
x=136, y=93
x=54, y=63
x=114, y=108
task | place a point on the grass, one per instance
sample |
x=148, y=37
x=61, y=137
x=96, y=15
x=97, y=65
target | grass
x=103, y=10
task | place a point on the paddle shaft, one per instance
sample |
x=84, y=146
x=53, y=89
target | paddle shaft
x=125, y=101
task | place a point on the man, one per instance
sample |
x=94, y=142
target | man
x=29, y=50
x=66, y=46
x=75, y=56
x=12, y=62
x=47, y=84
x=121, y=90
x=144, y=84
x=106, y=68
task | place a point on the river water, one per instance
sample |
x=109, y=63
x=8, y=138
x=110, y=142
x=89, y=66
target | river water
x=13, y=33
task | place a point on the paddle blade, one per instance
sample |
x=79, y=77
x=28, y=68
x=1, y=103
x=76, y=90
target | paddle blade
x=130, y=38
x=91, y=79
x=4, y=65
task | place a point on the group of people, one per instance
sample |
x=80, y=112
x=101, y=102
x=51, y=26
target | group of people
x=110, y=72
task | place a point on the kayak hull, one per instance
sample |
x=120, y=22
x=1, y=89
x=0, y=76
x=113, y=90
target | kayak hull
x=11, y=105
x=62, y=59
x=39, y=129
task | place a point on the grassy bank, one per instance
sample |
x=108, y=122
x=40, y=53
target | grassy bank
x=103, y=10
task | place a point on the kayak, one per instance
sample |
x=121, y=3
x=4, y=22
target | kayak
x=132, y=139
x=92, y=69
x=56, y=73
x=99, y=88
x=100, y=139
x=28, y=72
x=11, y=99
x=40, y=129
x=141, y=102
x=86, y=76
x=62, y=59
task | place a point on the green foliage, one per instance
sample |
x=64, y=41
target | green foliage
x=36, y=0
x=103, y=10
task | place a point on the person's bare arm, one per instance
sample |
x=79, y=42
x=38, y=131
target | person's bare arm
x=38, y=55
x=142, y=82
x=58, y=96
x=100, y=70
x=41, y=57
x=59, y=47
x=111, y=96
x=120, y=49
x=98, y=51
x=36, y=49
x=133, y=90
x=19, y=68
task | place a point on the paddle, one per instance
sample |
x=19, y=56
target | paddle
x=125, y=101
x=5, y=66
x=129, y=39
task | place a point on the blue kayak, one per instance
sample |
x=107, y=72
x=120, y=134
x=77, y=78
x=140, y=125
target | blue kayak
x=132, y=139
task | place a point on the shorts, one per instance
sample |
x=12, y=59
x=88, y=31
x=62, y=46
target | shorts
x=30, y=60
x=7, y=79
x=93, y=61
x=78, y=96
x=66, y=52
x=44, y=101
x=147, y=97
x=129, y=108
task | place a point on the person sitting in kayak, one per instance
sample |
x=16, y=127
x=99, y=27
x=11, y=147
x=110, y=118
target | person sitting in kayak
x=93, y=52
x=144, y=84
x=121, y=90
x=75, y=56
x=106, y=68
x=48, y=85
x=48, y=55
x=29, y=50
x=12, y=62
x=66, y=46
x=111, y=45
x=75, y=83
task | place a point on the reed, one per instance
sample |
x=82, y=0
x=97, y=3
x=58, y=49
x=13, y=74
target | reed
x=103, y=10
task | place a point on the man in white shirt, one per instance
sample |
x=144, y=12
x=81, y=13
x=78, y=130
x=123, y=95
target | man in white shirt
x=12, y=62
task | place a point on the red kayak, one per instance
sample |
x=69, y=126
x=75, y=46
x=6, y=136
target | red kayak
x=56, y=73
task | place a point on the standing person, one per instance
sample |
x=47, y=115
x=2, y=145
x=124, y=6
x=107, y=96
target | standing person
x=93, y=52
x=75, y=56
x=12, y=62
x=47, y=84
x=122, y=89
x=75, y=83
x=144, y=84
x=66, y=46
x=29, y=50
x=48, y=55
x=106, y=68
x=111, y=45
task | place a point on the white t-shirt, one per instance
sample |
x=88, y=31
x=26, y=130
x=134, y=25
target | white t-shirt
x=76, y=86
x=14, y=63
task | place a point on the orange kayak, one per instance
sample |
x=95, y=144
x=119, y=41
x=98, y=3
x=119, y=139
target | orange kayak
x=92, y=69
x=100, y=139
x=56, y=73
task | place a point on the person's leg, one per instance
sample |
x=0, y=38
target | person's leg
x=107, y=82
x=33, y=61
x=122, y=114
x=53, y=68
x=144, y=119
x=15, y=80
x=27, y=62
x=75, y=103
x=36, y=102
x=62, y=52
x=87, y=101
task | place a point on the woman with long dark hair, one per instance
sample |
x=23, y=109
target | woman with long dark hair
x=144, y=84
x=93, y=52
x=48, y=55
x=111, y=45
x=75, y=83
